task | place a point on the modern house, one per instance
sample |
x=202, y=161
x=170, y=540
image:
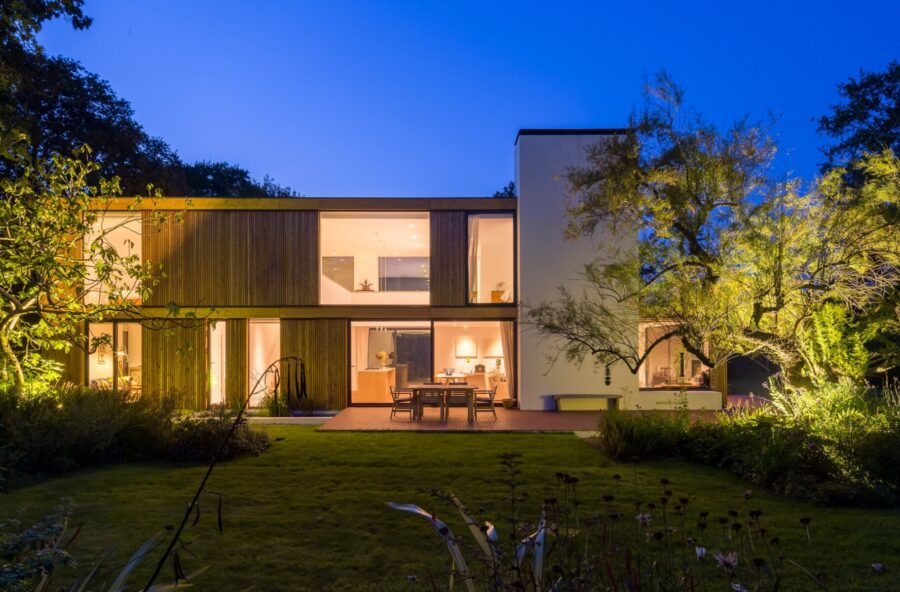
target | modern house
x=371, y=293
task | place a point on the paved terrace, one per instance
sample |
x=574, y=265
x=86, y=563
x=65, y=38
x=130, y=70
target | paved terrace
x=508, y=420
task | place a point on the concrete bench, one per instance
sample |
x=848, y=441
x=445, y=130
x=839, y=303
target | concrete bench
x=586, y=402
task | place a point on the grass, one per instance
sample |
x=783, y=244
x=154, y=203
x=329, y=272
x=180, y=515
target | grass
x=309, y=514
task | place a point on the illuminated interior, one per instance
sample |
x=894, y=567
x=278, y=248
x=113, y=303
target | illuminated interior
x=475, y=352
x=385, y=354
x=669, y=365
x=375, y=258
x=122, y=231
x=264, y=344
x=217, y=363
x=491, y=258
x=115, y=358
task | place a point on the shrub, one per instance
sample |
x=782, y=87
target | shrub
x=625, y=436
x=78, y=427
x=199, y=437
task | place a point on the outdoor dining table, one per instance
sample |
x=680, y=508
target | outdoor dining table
x=444, y=390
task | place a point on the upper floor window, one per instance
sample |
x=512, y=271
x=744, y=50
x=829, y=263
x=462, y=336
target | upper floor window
x=491, y=258
x=375, y=258
x=120, y=231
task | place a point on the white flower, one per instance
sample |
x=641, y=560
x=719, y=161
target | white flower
x=701, y=552
x=878, y=567
x=737, y=587
x=729, y=562
x=643, y=518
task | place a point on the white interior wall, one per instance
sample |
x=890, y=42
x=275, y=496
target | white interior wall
x=264, y=344
x=123, y=232
x=547, y=260
x=217, y=363
x=486, y=336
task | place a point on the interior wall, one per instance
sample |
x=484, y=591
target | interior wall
x=123, y=232
x=494, y=254
x=217, y=363
x=486, y=337
x=264, y=348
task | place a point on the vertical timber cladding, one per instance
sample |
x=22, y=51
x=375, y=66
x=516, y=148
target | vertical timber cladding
x=175, y=362
x=323, y=345
x=449, y=252
x=236, y=362
x=234, y=258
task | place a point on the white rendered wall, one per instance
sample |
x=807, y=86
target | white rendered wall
x=547, y=260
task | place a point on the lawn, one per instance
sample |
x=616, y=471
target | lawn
x=309, y=514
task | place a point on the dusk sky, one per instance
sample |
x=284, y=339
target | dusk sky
x=415, y=99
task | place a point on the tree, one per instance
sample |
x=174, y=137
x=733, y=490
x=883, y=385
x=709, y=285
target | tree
x=58, y=269
x=217, y=179
x=62, y=107
x=729, y=261
x=869, y=121
x=507, y=191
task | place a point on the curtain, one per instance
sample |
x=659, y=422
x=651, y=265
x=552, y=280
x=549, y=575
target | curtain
x=508, y=341
x=473, y=259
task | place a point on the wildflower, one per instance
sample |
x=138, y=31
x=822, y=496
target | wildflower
x=738, y=587
x=683, y=500
x=729, y=562
x=668, y=493
x=664, y=481
x=755, y=513
x=733, y=513
x=411, y=578
x=701, y=552
x=608, y=498
x=643, y=518
x=616, y=477
x=490, y=531
x=704, y=514
x=878, y=567
x=748, y=494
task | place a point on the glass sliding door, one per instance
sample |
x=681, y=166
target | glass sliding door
x=264, y=343
x=217, y=363
x=115, y=355
x=386, y=354
x=479, y=352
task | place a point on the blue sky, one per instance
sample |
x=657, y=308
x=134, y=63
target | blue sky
x=424, y=99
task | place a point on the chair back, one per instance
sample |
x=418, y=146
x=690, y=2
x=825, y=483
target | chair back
x=395, y=394
x=489, y=394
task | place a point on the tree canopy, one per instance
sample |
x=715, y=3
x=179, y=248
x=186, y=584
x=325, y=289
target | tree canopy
x=729, y=259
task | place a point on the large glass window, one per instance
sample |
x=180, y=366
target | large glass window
x=477, y=352
x=386, y=354
x=669, y=365
x=114, y=358
x=264, y=343
x=375, y=258
x=217, y=363
x=122, y=232
x=491, y=258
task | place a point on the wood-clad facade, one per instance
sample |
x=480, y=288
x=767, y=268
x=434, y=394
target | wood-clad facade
x=239, y=261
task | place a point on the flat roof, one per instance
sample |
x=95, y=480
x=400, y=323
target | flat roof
x=595, y=131
x=345, y=204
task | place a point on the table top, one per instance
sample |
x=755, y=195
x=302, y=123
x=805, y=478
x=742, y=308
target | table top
x=445, y=387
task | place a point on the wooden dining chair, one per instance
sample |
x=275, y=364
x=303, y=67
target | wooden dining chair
x=457, y=397
x=401, y=402
x=484, y=402
x=432, y=397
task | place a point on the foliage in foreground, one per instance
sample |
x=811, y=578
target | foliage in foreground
x=838, y=443
x=75, y=427
x=29, y=558
x=626, y=544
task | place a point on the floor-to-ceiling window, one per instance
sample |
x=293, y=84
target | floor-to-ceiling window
x=371, y=258
x=264, y=345
x=114, y=356
x=217, y=363
x=477, y=352
x=122, y=232
x=491, y=258
x=386, y=354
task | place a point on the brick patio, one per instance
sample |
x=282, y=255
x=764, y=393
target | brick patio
x=378, y=419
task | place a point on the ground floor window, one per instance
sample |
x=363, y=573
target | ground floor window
x=477, y=352
x=669, y=365
x=264, y=345
x=385, y=354
x=217, y=361
x=114, y=356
